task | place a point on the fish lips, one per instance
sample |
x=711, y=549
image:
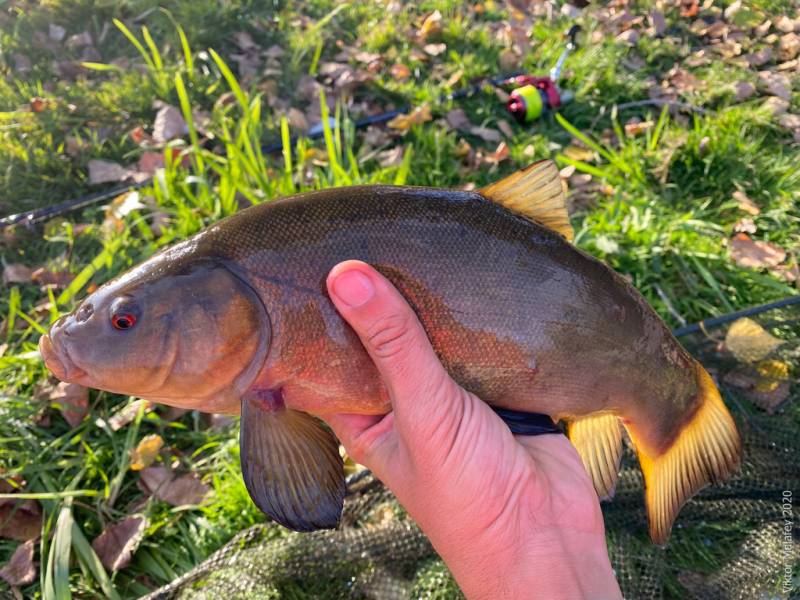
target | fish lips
x=58, y=361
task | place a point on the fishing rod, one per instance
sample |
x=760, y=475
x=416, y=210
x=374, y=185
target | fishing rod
x=732, y=316
x=532, y=97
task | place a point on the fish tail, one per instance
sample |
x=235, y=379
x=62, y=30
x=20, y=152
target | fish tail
x=706, y=450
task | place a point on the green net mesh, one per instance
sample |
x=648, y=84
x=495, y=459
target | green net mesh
x=730, y=541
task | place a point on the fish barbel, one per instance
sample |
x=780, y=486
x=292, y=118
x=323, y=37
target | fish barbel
x=237, y=318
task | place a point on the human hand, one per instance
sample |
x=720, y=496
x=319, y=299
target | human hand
x=511, y=517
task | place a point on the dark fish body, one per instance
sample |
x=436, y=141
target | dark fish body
x=516, y=314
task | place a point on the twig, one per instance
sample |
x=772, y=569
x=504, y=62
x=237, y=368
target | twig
x=665, y=299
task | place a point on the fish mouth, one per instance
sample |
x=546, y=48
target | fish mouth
x=58, y=361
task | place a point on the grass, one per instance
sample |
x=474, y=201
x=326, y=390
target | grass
x=663, y=219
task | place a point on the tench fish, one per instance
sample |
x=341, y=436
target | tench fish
x=237, y=319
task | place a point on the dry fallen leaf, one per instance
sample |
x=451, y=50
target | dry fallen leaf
x=458, y=119
x=146, y=452
x=16, y=273
x=487, y=134
x=785, y=24
x=117, y=543
x=755, y=254
x=776, y=106
x=391, y=157
x=56, y=32
x=581, y=153
x=634, y=128
x=400, y=72
x=125, y=415
x=743, y=90
x=169, y=124
x=72, y=399
x=769, y=397
x=187, y=489
x=57, y=279
x=435, y=49
x=756, y=59
x=105, y=171
x=745, y=203
x=745, y=225
x=777, y=84
x=20, y=520
x=749, y=342
x=404, y=122
x=789, y=46
x=431, y=26
x=20, y=570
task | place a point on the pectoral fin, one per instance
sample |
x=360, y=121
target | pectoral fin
x=291, y=466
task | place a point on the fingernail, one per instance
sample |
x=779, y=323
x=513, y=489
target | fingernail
x=353, y=288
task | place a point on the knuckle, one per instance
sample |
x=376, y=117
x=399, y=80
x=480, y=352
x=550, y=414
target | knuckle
x=391, y=337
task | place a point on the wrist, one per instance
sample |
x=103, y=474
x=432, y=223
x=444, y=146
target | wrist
x=550, y=564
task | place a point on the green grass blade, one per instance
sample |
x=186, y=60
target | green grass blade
x=87, y=555
x=154, y=52
x=136, y=43
x=230, y=78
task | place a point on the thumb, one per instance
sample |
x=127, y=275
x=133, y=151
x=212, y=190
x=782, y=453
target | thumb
x=417, y=383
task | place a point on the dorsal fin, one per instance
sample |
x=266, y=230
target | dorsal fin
x=535, y=193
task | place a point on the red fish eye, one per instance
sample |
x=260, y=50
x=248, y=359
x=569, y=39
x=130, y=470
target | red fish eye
x=123, y=321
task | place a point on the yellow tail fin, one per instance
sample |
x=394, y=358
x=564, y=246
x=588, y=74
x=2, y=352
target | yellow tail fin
x=598, y=440
x=707, y=450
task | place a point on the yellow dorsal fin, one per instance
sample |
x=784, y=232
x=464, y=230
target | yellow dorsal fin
x=536, y=193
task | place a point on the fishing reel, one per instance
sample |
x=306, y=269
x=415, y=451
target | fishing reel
x=535, y=95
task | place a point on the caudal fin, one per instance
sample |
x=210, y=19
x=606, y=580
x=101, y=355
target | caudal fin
x=707, y=450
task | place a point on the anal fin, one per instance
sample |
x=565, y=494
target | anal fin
x=598, y=440
x=291, y=466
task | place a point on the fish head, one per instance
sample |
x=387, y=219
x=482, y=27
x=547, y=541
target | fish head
x=191, y=334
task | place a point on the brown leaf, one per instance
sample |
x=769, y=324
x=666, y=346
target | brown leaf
x=745, y=225
x=749, y=342
x=743, y=90
x=297, y=120
x=509, y=61
x=500, y=154
x=274, y=51
x=79, y=40
x=431, y=26
x=72, y=399
x=150, y=161
x=16, y=273
x=689, y=8
x=244, y=41
x=755, y=254
x=39, y=104
x=169, y=124
x=789, y=121
x=126, y=414
x=777, y=84
x=505, y=128
x=391, y=157
x=775, y=105
x=404, y=122
x=745, y=203
x=785, y=24
x=756, y=59
x=20, y=570
x=458, y=119
x=435, y=49
x=629, y=37
x=117, y=543
x=187, y=489
x=400, y=72
x=634, y=128
x=152, y=479
x=771, y=397
x=787, y=272
x=20, y=520
x=46, y=277
x=146, y=452
x=657, y=22
x=56, y=32
x=485, y=133
x=105, y=171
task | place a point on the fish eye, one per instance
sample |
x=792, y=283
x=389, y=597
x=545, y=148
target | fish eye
x=124, y=314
